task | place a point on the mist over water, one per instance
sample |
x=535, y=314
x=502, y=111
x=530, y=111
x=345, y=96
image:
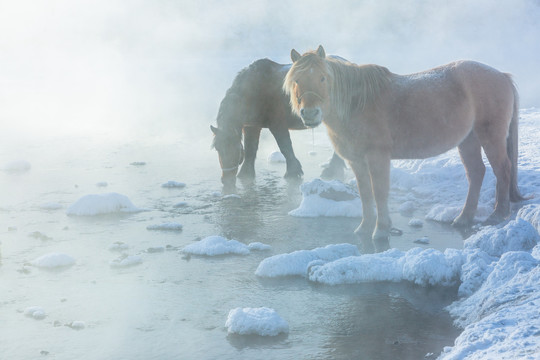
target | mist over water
x=150, y=67
x=88, y=87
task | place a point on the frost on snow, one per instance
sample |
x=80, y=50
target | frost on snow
x=258, y=321
x=96, y=204
x=328, y=198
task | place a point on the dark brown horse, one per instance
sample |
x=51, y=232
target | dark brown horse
x=373, y=116
x=254, y=101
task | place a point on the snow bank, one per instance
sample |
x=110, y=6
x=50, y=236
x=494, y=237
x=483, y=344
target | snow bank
x=531, y=213
x=515, y=236
x=501, y=319
x=96, y=204
x=298, y=262
x=53, y=261
x=218, y=245
x=423, y=267
x=328, y=198
x=261, y=321
x=498, y=273
x=167, y=226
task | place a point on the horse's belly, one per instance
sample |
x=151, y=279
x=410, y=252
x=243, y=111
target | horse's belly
x=427, y=145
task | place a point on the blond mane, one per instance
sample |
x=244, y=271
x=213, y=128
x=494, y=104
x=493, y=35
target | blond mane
x=353, y=87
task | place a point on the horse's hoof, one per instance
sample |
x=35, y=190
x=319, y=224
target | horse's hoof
x=293, y=175
x=494, y=219
x=462, y=222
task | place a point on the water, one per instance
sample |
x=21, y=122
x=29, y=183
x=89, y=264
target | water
x=174, y=306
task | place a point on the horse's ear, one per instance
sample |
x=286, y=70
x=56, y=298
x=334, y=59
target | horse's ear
x=321, y=52
x=214, y=130
x=295, y=55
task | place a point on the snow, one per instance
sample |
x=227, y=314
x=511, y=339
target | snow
x=36, y=312
x=497, y=272
x=298, y=262
x=261, y=321
x=97, y=204
x=216, y=245
x=53, y=260
x=328, y=198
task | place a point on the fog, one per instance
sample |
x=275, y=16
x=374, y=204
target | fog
x=134, y=68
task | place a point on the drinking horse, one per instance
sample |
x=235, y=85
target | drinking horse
x=254, y=101
x=373, y=115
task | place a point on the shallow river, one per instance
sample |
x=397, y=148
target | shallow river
x=173, y=306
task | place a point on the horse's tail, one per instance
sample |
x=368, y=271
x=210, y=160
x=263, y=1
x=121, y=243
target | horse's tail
x=512, y=148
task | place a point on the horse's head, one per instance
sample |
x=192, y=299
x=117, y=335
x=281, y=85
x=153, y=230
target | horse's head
x=307, y=85
x=231, y=155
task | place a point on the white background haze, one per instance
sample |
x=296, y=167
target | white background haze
x=148, y=67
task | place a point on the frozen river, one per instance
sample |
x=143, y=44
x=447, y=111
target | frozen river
x=172, y=305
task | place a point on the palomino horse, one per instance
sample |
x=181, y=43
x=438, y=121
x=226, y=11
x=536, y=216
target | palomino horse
x=254, y=101
x=373, y=116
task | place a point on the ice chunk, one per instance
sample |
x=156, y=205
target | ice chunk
x=216, y=245
x=328, y=198
x=261, y=321
x=53, y=260
x=96, y=204
x=35, y=312
x=297, y=262
x=276, y=157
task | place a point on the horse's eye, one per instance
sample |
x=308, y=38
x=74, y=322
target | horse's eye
x=323, y=79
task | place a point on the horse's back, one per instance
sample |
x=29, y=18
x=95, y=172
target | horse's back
x=432, y=111
x=259, y=88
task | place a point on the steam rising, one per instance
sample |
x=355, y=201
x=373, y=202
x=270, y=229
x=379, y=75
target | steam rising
x=133, y=67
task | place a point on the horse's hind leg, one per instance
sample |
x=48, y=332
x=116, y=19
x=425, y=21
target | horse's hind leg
x=335, y=169
x=471, y=155
x=251, y=144
x=497, y=155
x=283, y=139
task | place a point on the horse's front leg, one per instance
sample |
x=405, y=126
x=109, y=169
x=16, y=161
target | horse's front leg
x=379, y=169
x=251, y=144
x=283, y=139
x=369, y=218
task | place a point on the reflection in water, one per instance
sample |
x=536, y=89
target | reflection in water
x=390, y=321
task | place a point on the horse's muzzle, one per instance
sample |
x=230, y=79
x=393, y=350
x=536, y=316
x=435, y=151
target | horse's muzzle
x=311, y=117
